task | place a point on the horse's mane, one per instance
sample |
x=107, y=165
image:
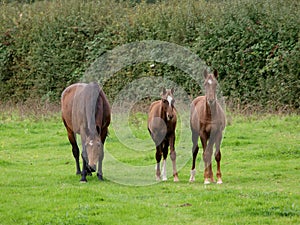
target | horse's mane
x=91, y=93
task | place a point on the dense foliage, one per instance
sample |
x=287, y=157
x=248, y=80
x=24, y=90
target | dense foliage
x=47, y=45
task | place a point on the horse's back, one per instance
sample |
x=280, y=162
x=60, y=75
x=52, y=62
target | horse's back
x=67, y=101
x=154, y=111
x=68, y=95
x=80, y=101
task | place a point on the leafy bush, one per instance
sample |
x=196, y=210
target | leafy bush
x=47, y=45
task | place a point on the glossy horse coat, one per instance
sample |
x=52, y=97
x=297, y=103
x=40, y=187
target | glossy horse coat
x=86, y=111
x=161, y=125
x=207, y=120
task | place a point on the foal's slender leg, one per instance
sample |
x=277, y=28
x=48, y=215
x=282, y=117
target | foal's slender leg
x=158, y=159
x=173, y=156
x=207, y=154
x=203, y=138
x=195, y=150
x=165, y=155
x=218, y=158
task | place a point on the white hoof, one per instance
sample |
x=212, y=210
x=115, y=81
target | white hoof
x=157, y=178
x=219, y=181
x=206, y=181
x=192, y=177
x=165, y=179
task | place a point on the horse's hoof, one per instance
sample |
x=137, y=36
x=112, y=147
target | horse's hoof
x=164, y=179
x=83, y=181
x=206, y=181
x=100, y=177
x=157, y=178
x=176, y=179
x=192, y=180
x=192, y=177
x=219, y=181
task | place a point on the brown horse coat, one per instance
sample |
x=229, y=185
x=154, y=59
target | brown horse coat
x=207, y=120
x=86, y=111
x=161, y=126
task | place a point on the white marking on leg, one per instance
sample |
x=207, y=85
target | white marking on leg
x=219, y=181
x=206, y=181
x=192, y=177
x=157, y=168
x=164, y=171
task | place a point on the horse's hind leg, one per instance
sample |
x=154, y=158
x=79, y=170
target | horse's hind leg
x=195, y=150
x=218, y=159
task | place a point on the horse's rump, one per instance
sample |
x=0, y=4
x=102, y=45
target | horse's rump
x=85, y=108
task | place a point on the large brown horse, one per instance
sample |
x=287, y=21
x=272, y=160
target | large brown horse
x=161, y=125
x=86, y=111
x=207, y=121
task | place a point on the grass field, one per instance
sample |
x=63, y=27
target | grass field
x=260, y=165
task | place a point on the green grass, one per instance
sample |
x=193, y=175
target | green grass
x=260, y=165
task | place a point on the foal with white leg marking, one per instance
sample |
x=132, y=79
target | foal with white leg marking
x=161, y=125
x=207, y=121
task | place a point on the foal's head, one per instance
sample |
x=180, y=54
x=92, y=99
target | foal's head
x=210, y=85
x=168, y=101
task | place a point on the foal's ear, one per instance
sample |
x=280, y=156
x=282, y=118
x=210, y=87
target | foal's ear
x=216, y=74
x=205, y=74
x=164, y=91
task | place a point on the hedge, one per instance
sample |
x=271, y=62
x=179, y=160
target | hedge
x=47, y=45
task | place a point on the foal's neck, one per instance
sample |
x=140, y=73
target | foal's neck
x=211, y=109
x=162, y=112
